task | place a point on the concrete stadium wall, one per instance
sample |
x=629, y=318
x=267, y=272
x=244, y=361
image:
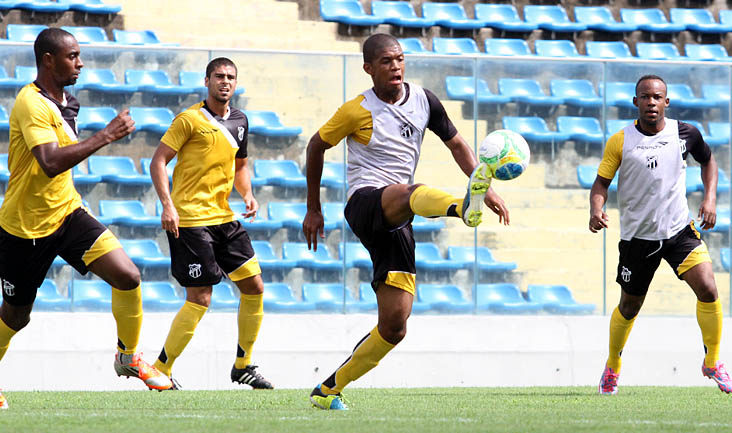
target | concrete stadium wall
x=74, y=351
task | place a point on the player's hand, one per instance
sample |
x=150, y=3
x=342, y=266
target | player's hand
x=598, y=221
x=119, y=127
x=498, y=206
x=707, y=215
x=169, y=219
x=312, y=228
x=252, y=207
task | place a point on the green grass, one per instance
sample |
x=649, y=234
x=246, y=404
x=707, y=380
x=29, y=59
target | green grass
x=423, y=410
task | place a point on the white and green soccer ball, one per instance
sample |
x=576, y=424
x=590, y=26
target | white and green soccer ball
x=506, y=153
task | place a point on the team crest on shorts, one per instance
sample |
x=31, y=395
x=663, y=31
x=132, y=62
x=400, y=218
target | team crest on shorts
x=8, y=288
x=194, y=270
x=625, y=274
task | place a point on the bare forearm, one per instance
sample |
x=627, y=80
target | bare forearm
x=314, y=172
x=709, y=179
x=159, y=177
x=55, y=160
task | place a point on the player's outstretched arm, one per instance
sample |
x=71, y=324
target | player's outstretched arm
x=708, y=208
x=55, y=160
x=159, y=174
x=243, y=185
x=598, y=197
x=312, y=225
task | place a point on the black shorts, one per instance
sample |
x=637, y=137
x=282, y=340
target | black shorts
x=391, y=249
x=640, y=258
x=24, y=263
x=200, y=256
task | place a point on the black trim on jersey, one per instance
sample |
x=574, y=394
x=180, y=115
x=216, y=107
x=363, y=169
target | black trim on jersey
x=69, y=111
x=237, y=119
x=406, y=94
x=695, y=144
x=439, y=122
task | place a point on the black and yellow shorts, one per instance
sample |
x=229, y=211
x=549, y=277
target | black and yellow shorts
x=640, y=258
x=200, y=256
x=24, y=263
x=391, y=249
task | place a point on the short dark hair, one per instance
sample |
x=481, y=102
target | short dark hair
x=219, y=61
x=375, y=43
x=48, y=41
x=649, y=77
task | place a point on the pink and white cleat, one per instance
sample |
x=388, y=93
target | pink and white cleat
x=609, y=382
x=718, y=374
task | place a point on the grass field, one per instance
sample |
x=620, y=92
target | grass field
x=423, y=410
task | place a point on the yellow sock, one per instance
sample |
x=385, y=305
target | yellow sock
x=181, y=331
x=5, y=335
x=365, y=356
x=127, y=311
x=709, y=317
x=249, y=320
x=431, y=202
x=619, y=331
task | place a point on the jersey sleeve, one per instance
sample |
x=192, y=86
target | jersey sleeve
x=350, y=119
x=36, y=122
x=439, y=122
x=244, y=142
x=695, y=144
x=178, y=133
x=612, y=156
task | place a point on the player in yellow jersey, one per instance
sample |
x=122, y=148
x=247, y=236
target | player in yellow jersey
x=206, y=240
x=384, y=127
x=42, y=214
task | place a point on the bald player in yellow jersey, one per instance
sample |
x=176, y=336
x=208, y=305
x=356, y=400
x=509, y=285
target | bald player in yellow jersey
x=206, y=240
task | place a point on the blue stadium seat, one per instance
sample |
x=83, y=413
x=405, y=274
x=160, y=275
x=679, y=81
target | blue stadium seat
x=24, y=32
x=268, y=124
x=413, y=46
x=136, y=37
x=49, y=299
x=4, y=170
x=278, y=298
x=333, y=175
x=683, y=97
x=582, y=129
x=90, y=295
x=557, y=299
x=503, y=17
x=81, y=178
x=25, y=74
x=619, y=94
x=145, y=166
x=399, y=13
x=657, y=51
x=95, y=7
x=145, y=253
x=291, y=215
x=725, y=17
x=88, y=35
x=284, y=173
x=4, y=119
x=118, y=169
x=421, y=224
x=333, y=214
x=349, y=12
x=223, y=297
x=600, y=18
x=507, y=47
x=357, y=256
x=711, y=141
x=160, y=296
x=694, y=180
x=719, y=130
x=320, y=260
x=533, y=129
x=152, y=119
x=450, y=15
x=102, y=80
x=561, y=48
x=329, y=297
x=586, y=175
x=614, y=125
x=7, y=82
x=486, y=261
x=195, y=80
x=706, y=52
x=698, y=20
x=157, y=82
x=724, y=258
x=463, y=89
x=503, y=298
x=6, y=5
x=551, y=17
x=366, y=298
x=428, y=258
x=608, y=50
x=268, y=260
x=723, y=220
x=127, y=213
x=42, y=6
x=527, y=91
x=444, y=298
x=455, y=46
x=260, y=224
x=94, y=118
x=576, y=93
x=650, y=20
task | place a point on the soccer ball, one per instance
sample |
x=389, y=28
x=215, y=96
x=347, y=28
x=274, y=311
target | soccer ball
x=506, y=153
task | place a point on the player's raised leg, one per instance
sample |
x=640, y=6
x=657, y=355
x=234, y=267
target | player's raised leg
x=249, y=321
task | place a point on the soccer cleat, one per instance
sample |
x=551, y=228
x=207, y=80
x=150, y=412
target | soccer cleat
x=325, y=401
x=718, y=374
x=3, y=401
x=480, y=181
x=176, y=385
x=135, y=366
x=249, y=376
x=609, y=382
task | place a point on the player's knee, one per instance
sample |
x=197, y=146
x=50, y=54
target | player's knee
x=129, y=278
x=393, y=332
x=629, y=308
x=251, y=286
x=15, y=318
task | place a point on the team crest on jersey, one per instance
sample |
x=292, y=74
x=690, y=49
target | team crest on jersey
x=682, y=145
x=405, y=130
x=625, y=274
x=194, y=270
x=652, y=161
x=240, y=135
x=8, y=288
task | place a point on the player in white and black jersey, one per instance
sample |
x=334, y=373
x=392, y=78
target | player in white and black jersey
x=384, y=128
x=650, y=159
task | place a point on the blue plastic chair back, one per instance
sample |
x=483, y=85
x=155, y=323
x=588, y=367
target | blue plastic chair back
x=147, y=78
x=525, y=124
x=614, y=125
x=578, y=125
x=444, y=11
x=121, y=208
x=680, y=92
x=413, y=46
x=572, y=88
x=719, y=129
x=135, y=37
x=427, y=251
x=25, y=74
x=618, y=91
x=593, y=15
x=300, y=251
x=144, y=116
x=520, y=87
x=559, y=48
x=434, y=293
x=264, y=250
x=160, y=296
x=545, y=14
x=141, y=248
x=96, y=76
x=608, y=50
x=333, y=212
x=454, y=46
x=24, y=32
x=104, y=165
x=725, y=16
x=341, y=8
x=278, y=292
x=87, y=35
x=657, y=50
x=498, y=293
x=706, y=52
x=283, y=211
x=643, y=16
x=266, y=168
x=90, y=295
x=691, y=16
x=95, y=117
x=550, y=294
x=496, y=13
x=4, y=116
x=392, y=9
x=326, y=292
x=507, y=47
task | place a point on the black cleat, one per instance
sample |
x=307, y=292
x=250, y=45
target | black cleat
x=249, y=376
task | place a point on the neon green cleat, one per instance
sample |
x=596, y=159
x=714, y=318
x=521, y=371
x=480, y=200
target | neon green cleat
x=327, y=401
x=480, y=181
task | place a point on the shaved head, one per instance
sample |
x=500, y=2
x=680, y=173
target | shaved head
x=375, y=44
x=49, y=41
